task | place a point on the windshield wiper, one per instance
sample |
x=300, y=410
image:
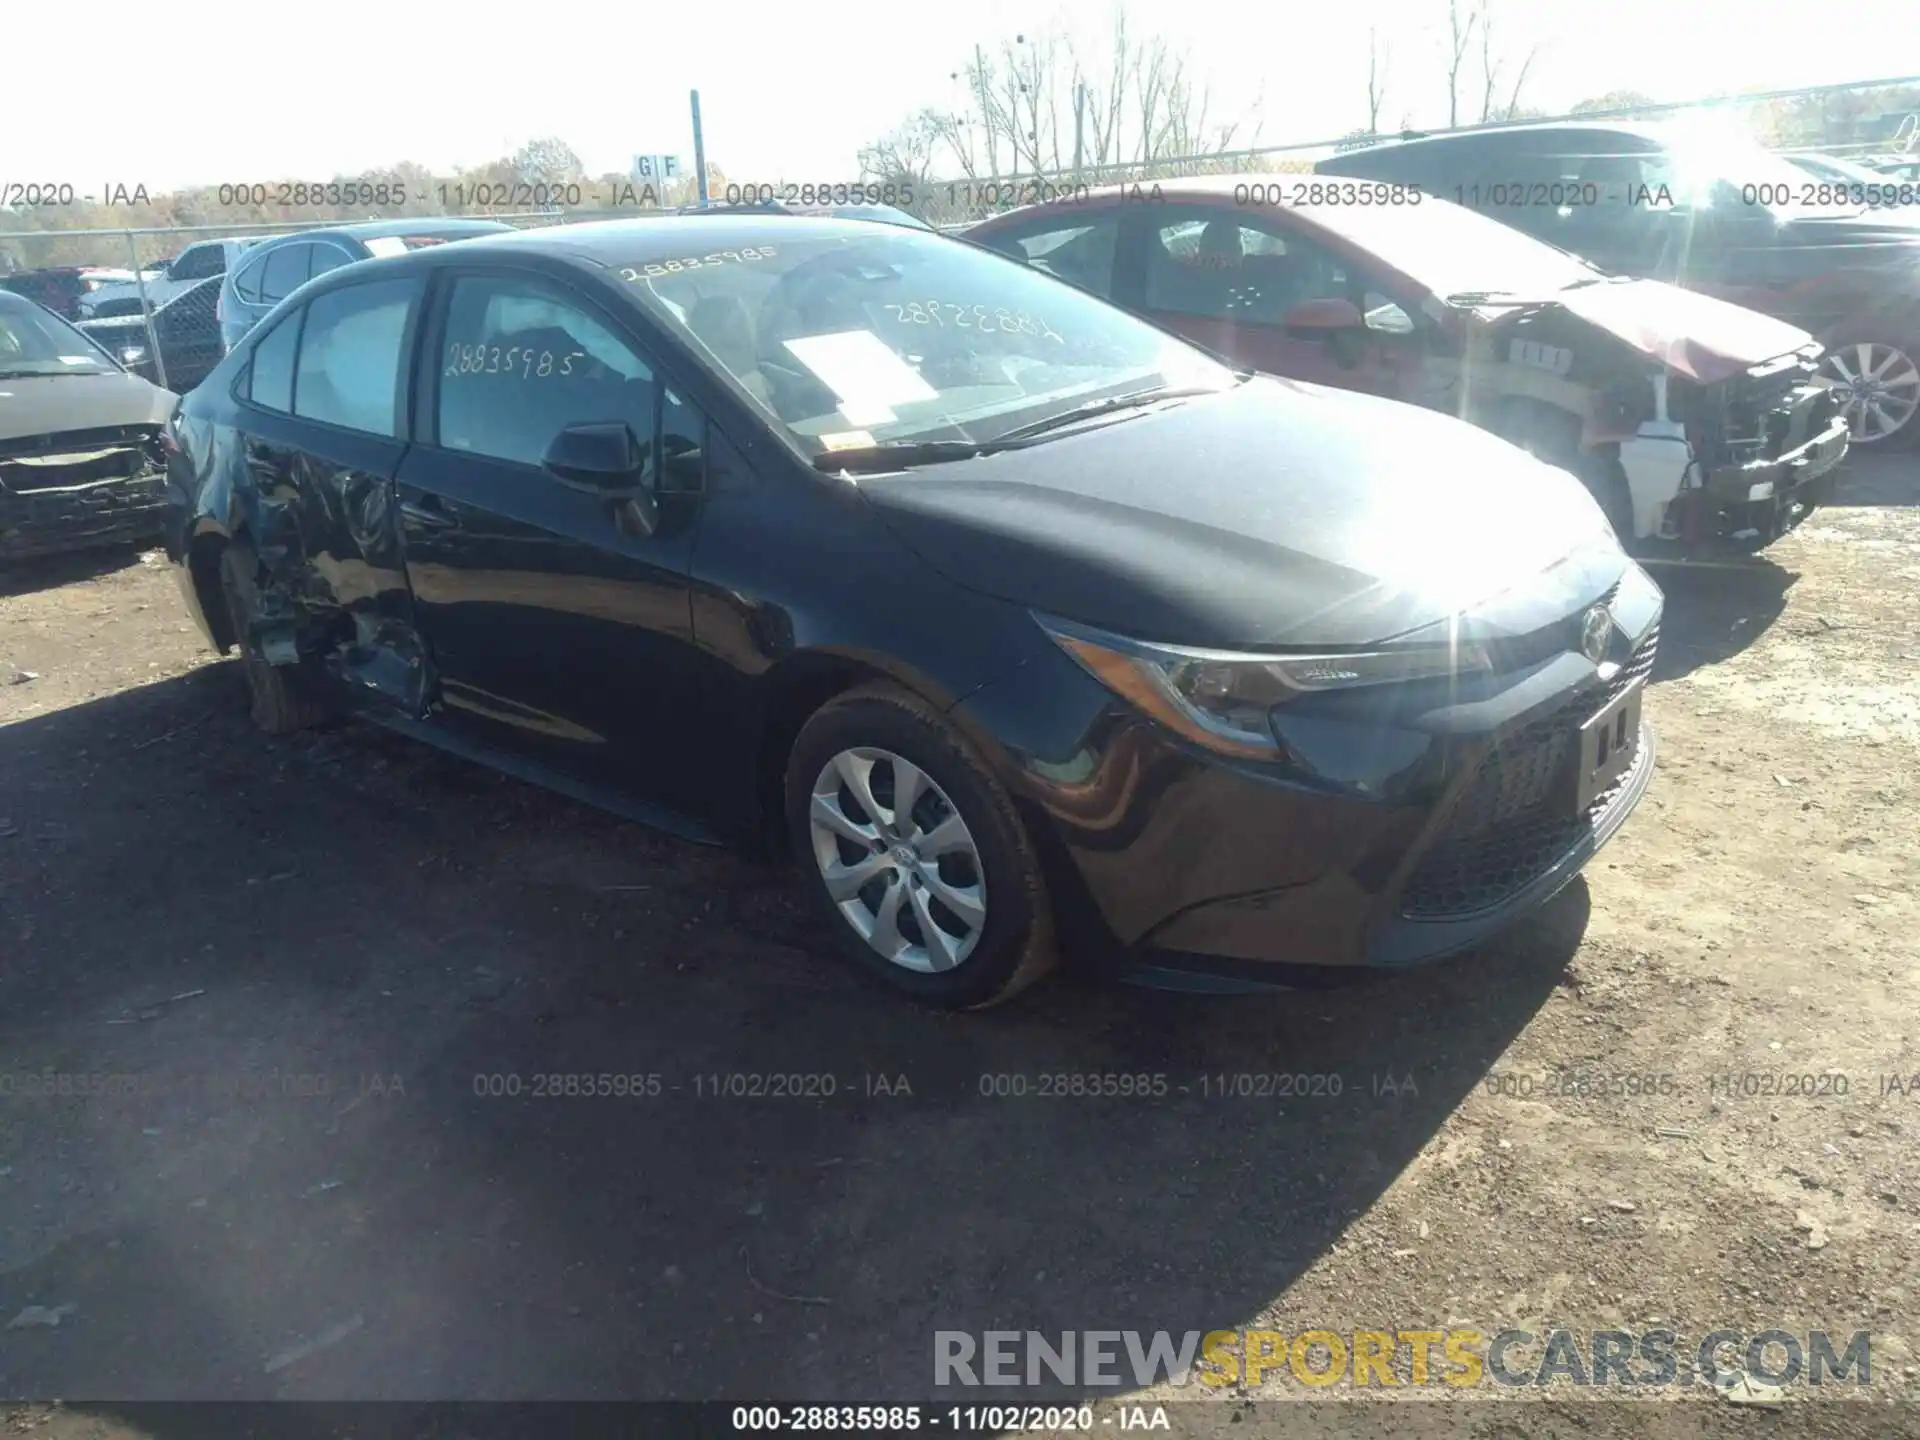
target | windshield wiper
x=41, y=374
x=902, y=454
x=1132, y=400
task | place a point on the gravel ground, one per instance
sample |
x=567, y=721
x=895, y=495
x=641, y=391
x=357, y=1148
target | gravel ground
x=312, y=954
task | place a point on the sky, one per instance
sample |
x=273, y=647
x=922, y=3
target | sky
x=230, y=93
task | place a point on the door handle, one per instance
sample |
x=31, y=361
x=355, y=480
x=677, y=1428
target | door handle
x=428, y=513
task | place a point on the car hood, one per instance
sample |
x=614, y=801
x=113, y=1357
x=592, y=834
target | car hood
x=1691, y=334
x=1277, y=514
x=54, y=404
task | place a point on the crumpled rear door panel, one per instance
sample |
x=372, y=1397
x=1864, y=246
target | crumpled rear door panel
x=335, y=585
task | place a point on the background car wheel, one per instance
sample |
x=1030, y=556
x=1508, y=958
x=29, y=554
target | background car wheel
x=1880, y=379
x=279, y=702
x=1554, y=436
x=914, y=852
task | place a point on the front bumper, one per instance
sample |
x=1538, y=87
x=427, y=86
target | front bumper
x=1396, y=841
x=56, y=519
x=1758, y=502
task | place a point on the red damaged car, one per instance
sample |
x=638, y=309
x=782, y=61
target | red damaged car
x=1701, y=427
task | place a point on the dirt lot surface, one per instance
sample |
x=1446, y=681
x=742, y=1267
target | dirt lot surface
x=1598, y=1122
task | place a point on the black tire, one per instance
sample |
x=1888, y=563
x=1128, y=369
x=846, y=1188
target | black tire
x=1016, y=943
x=1554, y=436
x=280, y=701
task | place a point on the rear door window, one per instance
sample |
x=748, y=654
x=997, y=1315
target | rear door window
x=270, y=372
x=286, y=272
x=351, y=352
x=246, y=280
x=327, y=257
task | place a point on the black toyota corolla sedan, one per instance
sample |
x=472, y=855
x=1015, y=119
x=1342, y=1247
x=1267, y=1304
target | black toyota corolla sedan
x=1016, y=618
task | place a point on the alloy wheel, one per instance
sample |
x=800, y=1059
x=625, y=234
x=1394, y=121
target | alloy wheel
x=898, y=861
x=1880, y=385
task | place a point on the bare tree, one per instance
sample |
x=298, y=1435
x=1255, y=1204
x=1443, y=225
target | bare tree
x=905, y=154
x=1041, y=101
x=548, y=159
x=1492, y=67
x=1378, y=56
x=1460, y=28
x=1612, y=100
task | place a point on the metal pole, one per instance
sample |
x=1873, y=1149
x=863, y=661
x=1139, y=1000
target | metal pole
x=146, y=314
x=980, y=78
x=1079, y=121
x=699, y=151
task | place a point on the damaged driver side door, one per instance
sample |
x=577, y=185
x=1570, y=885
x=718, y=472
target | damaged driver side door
x=551, y=579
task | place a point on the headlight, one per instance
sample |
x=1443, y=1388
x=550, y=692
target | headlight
x=1220, y=698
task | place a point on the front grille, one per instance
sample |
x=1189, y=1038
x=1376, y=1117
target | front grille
x=1507, y=828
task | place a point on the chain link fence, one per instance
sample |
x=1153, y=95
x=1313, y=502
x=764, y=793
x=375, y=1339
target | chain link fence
x=150, y=297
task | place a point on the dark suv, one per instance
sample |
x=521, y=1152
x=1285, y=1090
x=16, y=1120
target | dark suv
x=1713, y=213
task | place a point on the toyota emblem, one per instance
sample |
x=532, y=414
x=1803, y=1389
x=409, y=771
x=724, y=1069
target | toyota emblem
x=1596, y=628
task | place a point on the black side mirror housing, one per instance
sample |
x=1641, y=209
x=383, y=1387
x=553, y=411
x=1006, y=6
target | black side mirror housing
x=604, y=459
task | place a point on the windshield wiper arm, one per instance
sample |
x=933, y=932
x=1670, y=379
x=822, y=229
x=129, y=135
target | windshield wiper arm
x=900, y=454
x=1132, y=400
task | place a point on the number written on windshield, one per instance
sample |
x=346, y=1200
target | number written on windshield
x=524, y=361
x=654, y=269
x=972, y=317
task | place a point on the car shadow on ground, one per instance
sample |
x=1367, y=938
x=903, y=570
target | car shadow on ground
x=794, y=1184
x=1714, y=612
x=48, y=572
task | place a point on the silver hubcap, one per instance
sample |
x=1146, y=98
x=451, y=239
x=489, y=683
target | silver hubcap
x=897, y=859
x=1880, y=385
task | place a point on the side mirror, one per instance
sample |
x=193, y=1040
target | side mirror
x=605, y=460
x=1323, y=315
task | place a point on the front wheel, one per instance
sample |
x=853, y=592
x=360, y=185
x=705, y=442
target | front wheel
x=914, y=853
x=1879, y=382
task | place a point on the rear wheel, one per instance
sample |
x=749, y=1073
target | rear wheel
x=913, y=851
x=280, y=698
x=1879, y=380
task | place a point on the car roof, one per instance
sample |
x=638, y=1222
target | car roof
x=607, y=243
x=409, y=225
x=852, y=210
x=1196, y=188
x=1649, y=130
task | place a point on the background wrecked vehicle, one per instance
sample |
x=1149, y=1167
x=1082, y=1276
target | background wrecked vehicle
x=1698, y=425
x=80, y=439
x=1713, y=212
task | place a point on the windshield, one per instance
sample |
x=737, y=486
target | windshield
x=36, y=342
x=1454, y=250
x=854, y=335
